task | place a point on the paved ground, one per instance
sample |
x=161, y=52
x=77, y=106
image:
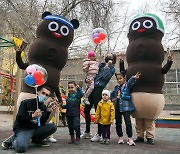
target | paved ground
x=167, y=141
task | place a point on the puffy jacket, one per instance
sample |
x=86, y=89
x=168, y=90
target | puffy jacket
x=90, y=67
x=24, y=118
x=104, y=75
x=105, y=112
x=73, y=102
x=125, y=103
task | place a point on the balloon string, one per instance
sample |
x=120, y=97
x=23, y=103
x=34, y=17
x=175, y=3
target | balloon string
x=95, y=48
x=38, y=118
x=36, y=96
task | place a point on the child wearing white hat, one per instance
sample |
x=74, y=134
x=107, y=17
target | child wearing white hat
x=105, y=114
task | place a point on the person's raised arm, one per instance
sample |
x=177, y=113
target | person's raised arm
x=121, y=57
x=19, y=60
x=168, y=65
x=133, y=79
x=79, y=93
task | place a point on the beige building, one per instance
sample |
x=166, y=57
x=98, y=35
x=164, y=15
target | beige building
x=73, y=71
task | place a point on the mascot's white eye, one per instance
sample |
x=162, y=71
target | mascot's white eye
x=148, y=24
x=136, y=25
x=53, y=26
x=64, y=30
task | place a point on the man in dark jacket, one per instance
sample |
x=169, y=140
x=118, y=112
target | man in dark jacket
x=27, y=125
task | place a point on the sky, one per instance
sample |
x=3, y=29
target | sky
x=138, y=7
x=151, y=6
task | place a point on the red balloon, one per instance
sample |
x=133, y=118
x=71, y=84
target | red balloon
x=40, y=82
x=97, y=40
x=38, y=75
x=102, y=36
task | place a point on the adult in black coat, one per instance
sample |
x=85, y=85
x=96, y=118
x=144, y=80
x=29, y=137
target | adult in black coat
x=26, y=125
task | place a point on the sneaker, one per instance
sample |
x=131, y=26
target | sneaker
x=103, y=141
x=96, y=138
x=64, y=123
x=40, y=143
x=86, y=135
x=85, y=101
x=51, y=139
x=130, y=142
x=72, y=140
x=82, y=102
x=107, y=141
x=77, y=140
x=121, y=141
x=7, y=143
x=150, y=141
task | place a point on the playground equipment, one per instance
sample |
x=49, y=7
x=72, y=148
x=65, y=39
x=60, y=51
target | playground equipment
x=82, y=113
x=8, y=100
x=19, y=43
x=12, y=80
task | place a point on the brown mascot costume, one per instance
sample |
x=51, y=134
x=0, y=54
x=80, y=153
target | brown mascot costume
x=50, y=50
x=145, y=54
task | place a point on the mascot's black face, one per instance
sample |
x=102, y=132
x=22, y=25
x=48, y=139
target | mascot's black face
x=56, y=31
x=57, y=28
x=145, y=39
x=143, y=27
x=54, y=36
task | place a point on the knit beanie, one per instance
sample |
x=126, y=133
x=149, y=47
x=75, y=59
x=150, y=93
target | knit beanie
x=91, y=54
x=107, y=92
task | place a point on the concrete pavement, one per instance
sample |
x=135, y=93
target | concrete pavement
x=167, y=141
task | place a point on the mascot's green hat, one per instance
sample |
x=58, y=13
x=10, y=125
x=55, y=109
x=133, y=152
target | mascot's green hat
x=158, y=21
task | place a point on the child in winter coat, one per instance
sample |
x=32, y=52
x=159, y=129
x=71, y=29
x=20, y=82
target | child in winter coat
x=73, y=110
x=105, y=115
x=121, y=97
x=90, y=67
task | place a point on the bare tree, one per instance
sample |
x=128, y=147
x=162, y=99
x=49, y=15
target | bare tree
x=171, y=9
x=21, y=17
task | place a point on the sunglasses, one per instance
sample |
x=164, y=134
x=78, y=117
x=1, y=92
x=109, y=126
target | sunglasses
x=47, y=95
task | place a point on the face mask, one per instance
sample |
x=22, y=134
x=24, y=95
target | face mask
x=42, y=98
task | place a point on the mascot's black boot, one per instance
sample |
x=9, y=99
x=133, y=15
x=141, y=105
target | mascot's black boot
x=139, y=139
x=150, y=141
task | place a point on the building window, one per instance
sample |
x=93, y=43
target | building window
x=172, y=82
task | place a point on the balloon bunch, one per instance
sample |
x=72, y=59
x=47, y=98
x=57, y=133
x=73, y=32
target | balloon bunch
x=99, y=36
x=36, y=75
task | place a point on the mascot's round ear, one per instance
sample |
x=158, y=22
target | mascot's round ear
x=75, y=23
x=46, y=14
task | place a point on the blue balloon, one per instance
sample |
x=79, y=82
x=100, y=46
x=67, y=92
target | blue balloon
x=29, y=80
